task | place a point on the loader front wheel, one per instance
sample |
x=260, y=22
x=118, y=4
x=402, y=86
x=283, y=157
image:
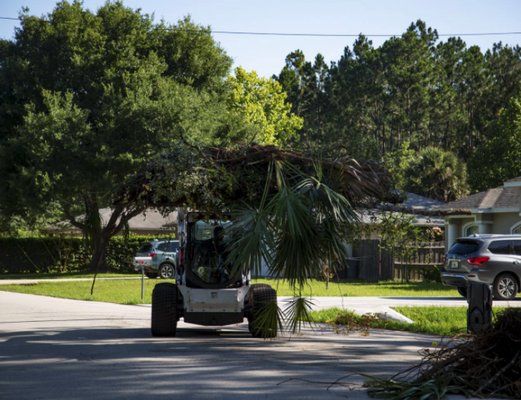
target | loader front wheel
x=164, y=309
x=263, y=316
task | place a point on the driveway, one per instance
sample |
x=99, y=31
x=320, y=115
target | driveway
x=65, y=349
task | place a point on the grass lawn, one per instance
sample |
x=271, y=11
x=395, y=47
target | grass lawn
x=129, y=291
x=388, y=288
x=126, y=291
x=443, y=321
x=67, y=275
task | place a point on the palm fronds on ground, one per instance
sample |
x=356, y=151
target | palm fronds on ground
x=484, y=365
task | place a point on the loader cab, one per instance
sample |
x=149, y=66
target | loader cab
x=206, y=247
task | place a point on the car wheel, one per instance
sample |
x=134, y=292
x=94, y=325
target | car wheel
x=462, y=291
x=505, y=287
x=164, y=309
x=166, y=271
x=262, y=322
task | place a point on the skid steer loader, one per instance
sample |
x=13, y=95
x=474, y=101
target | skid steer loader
x=208, y=290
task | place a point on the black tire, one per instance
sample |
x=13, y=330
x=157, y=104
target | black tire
x=505, y=287
x=262, y=298
x=167, y=271
x=462, y=291
x=260, y=285
x=151, y=275
x=164, y=309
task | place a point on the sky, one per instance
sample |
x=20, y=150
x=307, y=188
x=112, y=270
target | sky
x=266, y=54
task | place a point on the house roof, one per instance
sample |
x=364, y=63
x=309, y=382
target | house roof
x=150, y=221
x=504, y=197
x=425, y=211
x=417, y=203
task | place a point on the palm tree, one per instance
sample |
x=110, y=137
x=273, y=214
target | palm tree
x=439, y=174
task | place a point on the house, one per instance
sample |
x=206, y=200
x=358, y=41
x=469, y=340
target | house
x=496, y=210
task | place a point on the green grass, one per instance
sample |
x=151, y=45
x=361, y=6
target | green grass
x=389, y=288
x=111, y=291
x=66, y=275
x=125, y=291
x=442, y=321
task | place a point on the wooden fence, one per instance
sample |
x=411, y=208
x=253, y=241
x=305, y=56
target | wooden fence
x=371, y=263
x=419, y=261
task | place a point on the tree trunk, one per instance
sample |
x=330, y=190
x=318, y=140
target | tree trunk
x=99, y=252
x=98, y=260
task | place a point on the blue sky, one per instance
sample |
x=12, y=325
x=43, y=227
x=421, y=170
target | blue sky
x=266, y=54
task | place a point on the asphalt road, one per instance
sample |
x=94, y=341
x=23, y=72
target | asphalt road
x=65, y=349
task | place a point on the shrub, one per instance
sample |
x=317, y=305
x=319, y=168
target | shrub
x=64, y=254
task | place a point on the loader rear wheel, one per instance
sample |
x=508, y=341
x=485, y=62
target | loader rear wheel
x=164, y=309
x=263, y=319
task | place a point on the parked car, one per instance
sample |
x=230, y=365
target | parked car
x=491, y=259
x=158, y=258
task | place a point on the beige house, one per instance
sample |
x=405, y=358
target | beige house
x=496, y=210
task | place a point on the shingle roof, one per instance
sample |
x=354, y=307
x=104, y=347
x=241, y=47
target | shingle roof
x=416, y=202
x=149, y=221
x=500, y=197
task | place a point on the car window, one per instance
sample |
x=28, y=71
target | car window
x=162, y=247
x=517, y=247
x=463, y=247
x=172, y=246
x=500, y=247
x=168, y=247
x=145, y=248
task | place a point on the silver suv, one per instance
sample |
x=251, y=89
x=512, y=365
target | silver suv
x=157, y=258
x=491, y=259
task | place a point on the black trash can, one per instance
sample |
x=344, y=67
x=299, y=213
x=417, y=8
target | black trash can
x=352, y=268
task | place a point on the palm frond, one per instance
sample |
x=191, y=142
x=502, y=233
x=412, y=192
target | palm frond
x=297, y=313
x=253, y=243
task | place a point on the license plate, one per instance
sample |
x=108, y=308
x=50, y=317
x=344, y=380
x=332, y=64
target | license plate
x=454, y=264
x=142, y=261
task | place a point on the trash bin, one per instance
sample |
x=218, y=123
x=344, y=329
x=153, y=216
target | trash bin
x=479, y=313
x=352, y=268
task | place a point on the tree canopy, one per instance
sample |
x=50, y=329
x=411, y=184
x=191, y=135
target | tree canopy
x=90, y=98
x=412, y=89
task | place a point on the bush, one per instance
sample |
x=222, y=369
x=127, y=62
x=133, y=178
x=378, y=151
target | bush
x=64, y=254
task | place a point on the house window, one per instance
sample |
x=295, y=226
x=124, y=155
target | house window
x=516, y=228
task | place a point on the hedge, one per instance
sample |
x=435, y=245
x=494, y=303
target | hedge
x=64, y=255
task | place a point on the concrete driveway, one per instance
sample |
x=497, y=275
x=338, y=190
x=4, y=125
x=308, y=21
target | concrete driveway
x=65, y=349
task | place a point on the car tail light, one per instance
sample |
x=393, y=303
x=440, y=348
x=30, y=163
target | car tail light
x=478, y=260
x=152, y=254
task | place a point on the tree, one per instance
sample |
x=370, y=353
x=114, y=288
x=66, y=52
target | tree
x=92, y=98
x=398, y=163
x=438, y=174
x=259, y=106
x=305, y=83
x=497, y=159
